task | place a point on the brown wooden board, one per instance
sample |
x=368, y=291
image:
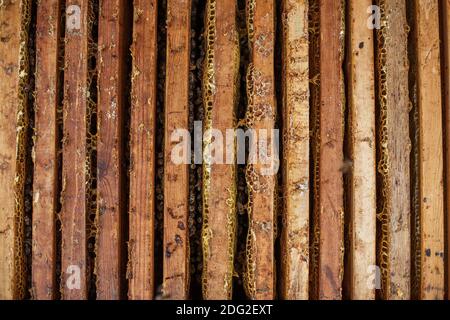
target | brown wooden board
x=261, y=174
x=362, y=204
x=75, y=171
x=295, y=234
x=112, y=53
x=394, y=212
x=219, y=173
x=331, y=158
x=429, y=101
x=176, y=175
x=14, y=19
x=45, y=182
x=142, y=150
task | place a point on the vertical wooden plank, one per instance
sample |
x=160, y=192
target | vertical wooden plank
x=142, y=149
x=75, y=171
x=176, y=176
x=261, y=174
x=45, y=183
x=14, y=20
x=219, y=179
x=361, y=94
x=295, y=236
x=394, y=148
x=431, y=152
x=110, y=200
x=331, y=151
x=314, y=75
x=446, y=41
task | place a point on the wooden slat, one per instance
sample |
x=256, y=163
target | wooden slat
x=446, y=58
x=176, y=176
x=142, y=149
x=395, y=147
x=295, y=236
x=314, y=75
x=261, y=176
x=13, y=126
x=362, y=207
x=74, y=190
x=45, y=183
x=331, y=152
x=431, y=150
x=110, y=201
x=219, y=179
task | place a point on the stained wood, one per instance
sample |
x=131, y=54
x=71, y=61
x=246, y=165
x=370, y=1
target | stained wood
x=362, y=208
x=261, y=176
x=176, y=176
x=112, y=52
x=295, y=236
x=142, y=149
x=45, y=181
x=431, y=150
x=74, y=172
x=395, y=147
x=219, y=185
x=331, y=152
x=13, y=126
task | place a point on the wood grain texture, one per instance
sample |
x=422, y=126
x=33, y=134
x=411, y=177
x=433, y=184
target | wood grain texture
x=14, y=19
x=219, y=179
x=295, y=233
x=45, y=182
x=75, y=169
x=112, y=52
x=395, y=149
x=331, y=151
x=142, y=149
x=176, y=176
x=431, y=150
x=446, y=89
x=261, y=176
x=362, y=204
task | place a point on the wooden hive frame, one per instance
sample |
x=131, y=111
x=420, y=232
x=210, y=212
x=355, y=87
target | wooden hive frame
x=76, y=171
x=261, y=178
x=429, y=103
x=14, y=19
x=330, y=214
x=219, y=179
x=176, y=176
x=111, y=56
x=295, y=234
x=45, y=182
x=362, y=144
x=394, y=151
x=140, y=271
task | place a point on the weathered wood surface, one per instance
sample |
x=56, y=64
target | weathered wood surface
x=394, y=147
x=362, y=139
x=142, y=149
x=14, y=20
x=45, y=182
x=295, y=236
x=219, y=179
x=112, y=51
x=261, y=175
x=331, y=158
x=176, y=176
x=429, y=101
x=75, y=171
